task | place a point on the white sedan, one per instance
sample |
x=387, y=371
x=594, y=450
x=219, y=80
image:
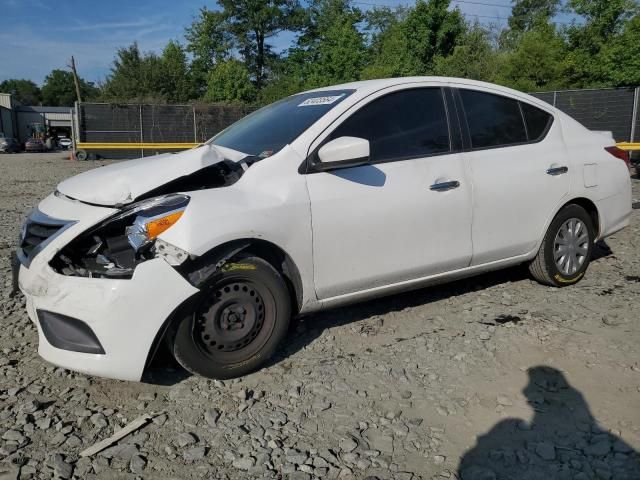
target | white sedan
x=324, y=198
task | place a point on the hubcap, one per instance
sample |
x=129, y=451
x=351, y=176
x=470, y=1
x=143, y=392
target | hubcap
x=230, y=319
x=571, y=246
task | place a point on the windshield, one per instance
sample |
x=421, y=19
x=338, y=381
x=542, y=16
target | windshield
x=269, y=129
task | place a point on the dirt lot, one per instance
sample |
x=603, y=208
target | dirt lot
x=495, y=377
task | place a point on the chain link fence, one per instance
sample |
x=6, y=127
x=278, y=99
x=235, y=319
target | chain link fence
x=613, y=110
x=106, y=123
x=610, y=109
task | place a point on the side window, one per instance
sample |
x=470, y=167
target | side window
x=493, y=121
x=409, y=123
x=537, y=121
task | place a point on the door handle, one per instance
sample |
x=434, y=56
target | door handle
x=444, y=186
x=557, y=170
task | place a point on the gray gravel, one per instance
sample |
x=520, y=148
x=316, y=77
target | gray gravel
x=490, y=378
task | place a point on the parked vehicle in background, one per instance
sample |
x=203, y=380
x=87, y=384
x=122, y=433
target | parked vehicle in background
x=65, y=142
x=9, y=145
x=324, y=198
x=34, y=145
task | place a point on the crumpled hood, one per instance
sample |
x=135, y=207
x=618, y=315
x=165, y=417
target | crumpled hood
x=123, y=182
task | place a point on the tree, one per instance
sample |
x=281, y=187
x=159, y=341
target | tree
x=176, y=84
x=537, y=63
x=526, y=14
x=331, y=49
x=603, y=22
x=229, y=82
x=59, y=89
x=253, y=22
x=473, y=57
x=411, y=45
x=619, y=60
x=135, y=76
x=24, y=91
x=209, y=42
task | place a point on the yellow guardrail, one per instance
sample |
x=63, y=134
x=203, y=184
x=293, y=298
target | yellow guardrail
x=134, y=146
x=629, y=146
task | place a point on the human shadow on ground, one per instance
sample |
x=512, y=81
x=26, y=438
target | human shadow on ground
x=563, y=441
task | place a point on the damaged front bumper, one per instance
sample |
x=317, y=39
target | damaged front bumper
x=98, y=326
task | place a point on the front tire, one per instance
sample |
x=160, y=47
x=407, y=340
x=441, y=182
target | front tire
x=565, y=252
x=237, y=323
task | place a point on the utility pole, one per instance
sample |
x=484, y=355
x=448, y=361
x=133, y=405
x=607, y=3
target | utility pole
x=75, y=78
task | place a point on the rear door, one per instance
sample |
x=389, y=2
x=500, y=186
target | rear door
x=518, y=164
x=398, y=218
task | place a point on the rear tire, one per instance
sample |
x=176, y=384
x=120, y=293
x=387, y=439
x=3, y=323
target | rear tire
x=237, y=323
x=565, y=252
x=81, y=155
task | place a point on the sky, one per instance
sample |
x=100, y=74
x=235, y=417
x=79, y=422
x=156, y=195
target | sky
x=37, y=36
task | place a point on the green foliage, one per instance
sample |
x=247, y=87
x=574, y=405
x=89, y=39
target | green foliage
x=619, y=60
x=59, y=89
x=176, y=85
x=410, y=45
x=229, y=82
x=253, y=22
x=134, y=76
x=208, y=41
x=331, y=49
x=24, y=91
x=526, y=14
x=537, y=61
x=227, y=56
x=474, y=57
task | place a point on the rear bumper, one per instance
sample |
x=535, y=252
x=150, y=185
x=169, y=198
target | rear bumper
x=124, y=316
x=615, y=212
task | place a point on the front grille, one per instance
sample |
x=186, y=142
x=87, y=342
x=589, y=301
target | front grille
x=38, y=230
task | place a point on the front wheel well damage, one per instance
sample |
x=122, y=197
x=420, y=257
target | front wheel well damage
x=203, y=269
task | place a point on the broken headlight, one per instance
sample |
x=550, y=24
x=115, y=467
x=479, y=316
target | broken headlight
x=116, y=246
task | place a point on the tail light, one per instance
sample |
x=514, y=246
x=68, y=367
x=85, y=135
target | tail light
x=621, y=154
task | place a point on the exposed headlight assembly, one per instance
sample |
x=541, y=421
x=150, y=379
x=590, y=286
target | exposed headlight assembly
x=116, y=246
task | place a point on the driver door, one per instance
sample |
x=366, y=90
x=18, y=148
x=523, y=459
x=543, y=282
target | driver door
x=406, y=214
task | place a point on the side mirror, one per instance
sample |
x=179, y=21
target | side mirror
x=343, y=152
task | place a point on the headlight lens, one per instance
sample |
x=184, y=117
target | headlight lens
x=117, y=245
x=152, y=218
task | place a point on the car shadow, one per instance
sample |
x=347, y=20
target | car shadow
x=303, y=331
x=563, y=440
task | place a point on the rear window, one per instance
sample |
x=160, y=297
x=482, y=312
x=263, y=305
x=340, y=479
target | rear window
x=537, y=120
x=493, y=120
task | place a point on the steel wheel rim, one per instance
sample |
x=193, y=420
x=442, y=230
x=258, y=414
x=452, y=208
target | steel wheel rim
x=571, y=246
x=232, y=320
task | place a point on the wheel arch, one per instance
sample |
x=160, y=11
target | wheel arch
x=200, y=270
x=586, y=203
x=591, y=209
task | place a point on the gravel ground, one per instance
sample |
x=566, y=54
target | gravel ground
x=495, y=377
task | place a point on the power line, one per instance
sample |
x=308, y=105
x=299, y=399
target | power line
x=471, y=15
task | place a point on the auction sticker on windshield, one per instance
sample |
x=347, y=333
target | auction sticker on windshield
x=320, y=100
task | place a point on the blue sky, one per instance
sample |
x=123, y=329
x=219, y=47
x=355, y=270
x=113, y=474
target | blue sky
x=37, y=36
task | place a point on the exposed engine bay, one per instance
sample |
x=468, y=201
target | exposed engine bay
x=117, y=245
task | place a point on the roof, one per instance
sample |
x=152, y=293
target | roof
x=366, y=87
x=43, y=109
